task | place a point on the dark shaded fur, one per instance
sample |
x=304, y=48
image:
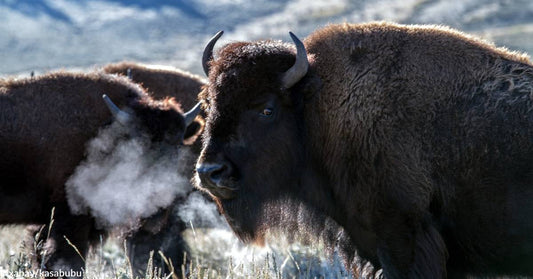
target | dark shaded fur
x=162, y=232
x=416, y=140
x=45, y=123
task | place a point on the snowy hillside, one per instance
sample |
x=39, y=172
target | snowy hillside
x=47, y=34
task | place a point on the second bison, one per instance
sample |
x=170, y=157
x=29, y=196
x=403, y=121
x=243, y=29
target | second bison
x=162, y=231
x=45, y=125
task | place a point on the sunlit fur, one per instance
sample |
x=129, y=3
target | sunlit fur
x=45, y=124
x=161, y=82
x=416, y=140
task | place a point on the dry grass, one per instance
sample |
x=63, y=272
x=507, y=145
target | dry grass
x=215, y=253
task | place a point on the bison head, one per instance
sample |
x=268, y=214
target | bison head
x=254, y=153
x=161, y=120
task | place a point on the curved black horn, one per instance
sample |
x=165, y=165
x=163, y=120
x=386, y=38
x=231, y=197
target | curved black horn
x=123, y=117
x=300, y=67
x=208, y=52
x=191, y=114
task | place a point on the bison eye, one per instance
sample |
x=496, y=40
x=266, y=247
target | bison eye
x=267, y=112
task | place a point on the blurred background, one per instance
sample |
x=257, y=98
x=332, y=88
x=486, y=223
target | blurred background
x=43, y=35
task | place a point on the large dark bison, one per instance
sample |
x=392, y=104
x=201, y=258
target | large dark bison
x=416, y=140
x=45, y=125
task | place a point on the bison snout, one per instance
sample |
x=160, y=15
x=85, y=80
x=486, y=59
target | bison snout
x=215, y=177
x=213, y=173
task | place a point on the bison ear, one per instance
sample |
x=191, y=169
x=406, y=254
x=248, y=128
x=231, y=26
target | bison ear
x=309, y=87
x=193, y=130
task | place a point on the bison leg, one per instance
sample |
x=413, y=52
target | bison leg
x=410, y=249
x=56, y=253
x=161, y=232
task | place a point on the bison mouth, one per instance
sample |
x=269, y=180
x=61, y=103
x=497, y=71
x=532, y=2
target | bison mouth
x=222, y=192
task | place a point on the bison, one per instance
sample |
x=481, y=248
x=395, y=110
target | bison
x=416, y=140
x=163, y=230
x=161, y=82
x=45, y=125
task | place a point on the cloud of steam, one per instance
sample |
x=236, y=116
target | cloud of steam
x=123, y=179
x=200, y=212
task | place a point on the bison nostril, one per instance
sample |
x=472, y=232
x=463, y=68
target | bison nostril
x=217, y=174
x=217, y=178
x=212, y=174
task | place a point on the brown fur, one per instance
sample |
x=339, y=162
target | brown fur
x=161, y=83
x=416, y=140
x=45, y=123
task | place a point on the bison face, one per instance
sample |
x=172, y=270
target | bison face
x=161, y=121
x=253, y=153
x=166, y=125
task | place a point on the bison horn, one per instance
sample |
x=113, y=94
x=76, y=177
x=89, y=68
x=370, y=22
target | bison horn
x=191, y=114
x=208, y=52
x=122, y=117
x=299, y=69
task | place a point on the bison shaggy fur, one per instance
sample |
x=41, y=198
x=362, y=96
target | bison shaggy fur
x=416, y=140
x=161, y=82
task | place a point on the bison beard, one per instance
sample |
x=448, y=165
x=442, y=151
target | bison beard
x=293, y=219
x=416, y=140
